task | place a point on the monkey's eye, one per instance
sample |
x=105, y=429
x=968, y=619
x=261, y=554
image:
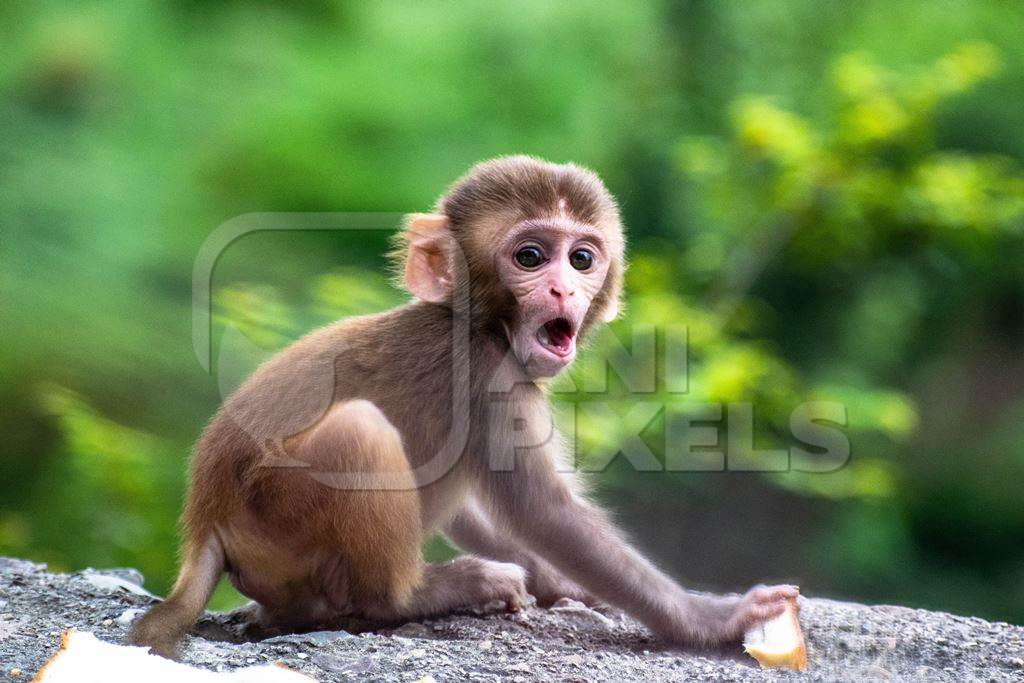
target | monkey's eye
x=529, y=257
x=581, y=259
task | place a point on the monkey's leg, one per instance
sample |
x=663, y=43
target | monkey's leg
x=163, y=626
x=374, y=531
x=473, y=532
x=378, y=532
x=464, y=582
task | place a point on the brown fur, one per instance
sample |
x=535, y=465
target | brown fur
x=377, y=400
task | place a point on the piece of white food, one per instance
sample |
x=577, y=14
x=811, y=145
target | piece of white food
x=83, y=658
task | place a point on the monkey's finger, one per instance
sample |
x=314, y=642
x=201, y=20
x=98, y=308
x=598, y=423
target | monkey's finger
x=763, y=612
x=761, y=594
x=515, y=600
x=782, y=592
x=751, y=614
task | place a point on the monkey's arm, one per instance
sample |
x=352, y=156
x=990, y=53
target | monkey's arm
x=471, y=531
x=577, y=538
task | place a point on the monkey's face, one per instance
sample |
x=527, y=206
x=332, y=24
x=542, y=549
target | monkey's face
x=554, y=267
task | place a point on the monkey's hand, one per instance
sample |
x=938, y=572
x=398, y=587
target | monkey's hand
x=758, y=605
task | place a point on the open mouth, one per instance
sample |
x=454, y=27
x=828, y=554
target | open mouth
x=557, y=336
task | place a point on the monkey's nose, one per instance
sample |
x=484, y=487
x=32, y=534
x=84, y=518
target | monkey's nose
x=561, y=288
x=559, y=292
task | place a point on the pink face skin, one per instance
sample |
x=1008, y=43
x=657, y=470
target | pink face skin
x=554, y=267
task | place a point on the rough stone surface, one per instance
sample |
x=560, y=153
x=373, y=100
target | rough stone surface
x=572, y=643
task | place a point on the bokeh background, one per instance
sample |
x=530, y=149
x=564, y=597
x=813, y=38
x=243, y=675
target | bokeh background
x=830, y=196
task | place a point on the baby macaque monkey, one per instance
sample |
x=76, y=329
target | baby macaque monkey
x=315, y=484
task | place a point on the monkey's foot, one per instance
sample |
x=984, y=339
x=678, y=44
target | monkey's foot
x=487, y=581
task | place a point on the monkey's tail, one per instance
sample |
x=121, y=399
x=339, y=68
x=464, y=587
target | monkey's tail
x=163, y=627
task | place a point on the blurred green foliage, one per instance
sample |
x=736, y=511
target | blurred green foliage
x=828, y=197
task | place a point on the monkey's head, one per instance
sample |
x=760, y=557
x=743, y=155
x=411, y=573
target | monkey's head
x=538, y=246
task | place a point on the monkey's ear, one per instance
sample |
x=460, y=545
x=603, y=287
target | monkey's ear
x=427, y=273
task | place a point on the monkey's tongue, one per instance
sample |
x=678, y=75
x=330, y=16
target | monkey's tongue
x=557, y=334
